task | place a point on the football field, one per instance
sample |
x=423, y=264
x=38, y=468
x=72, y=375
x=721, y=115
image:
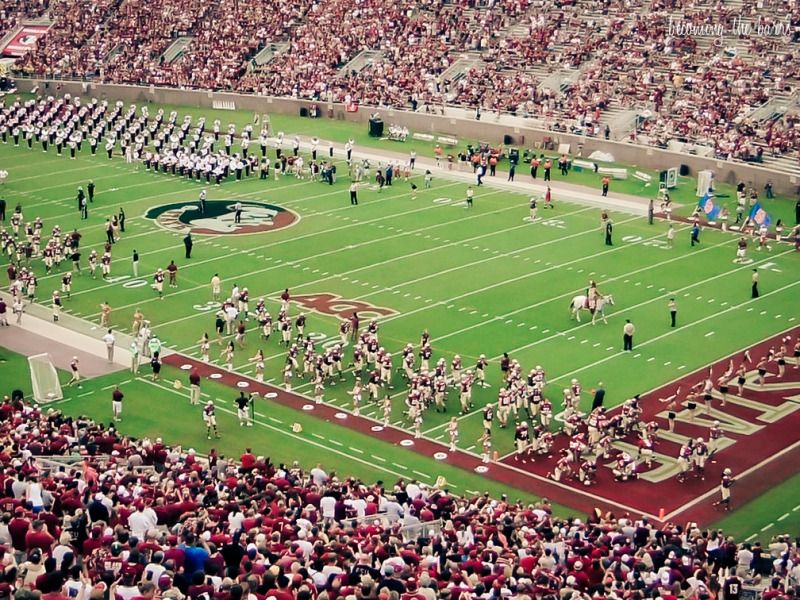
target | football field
x=483, y=280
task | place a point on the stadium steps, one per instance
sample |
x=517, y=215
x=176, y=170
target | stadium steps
x=462, y=64
x=176, y=49
x=361, y=61
x=560, y=81
x=267, y=54
x=620, y=120
x=775, y=107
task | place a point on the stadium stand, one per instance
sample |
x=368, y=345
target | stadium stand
x=612, y=67
x=91, y=514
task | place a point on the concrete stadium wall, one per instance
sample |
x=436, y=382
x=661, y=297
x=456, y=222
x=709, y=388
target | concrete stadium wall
x=461, y=128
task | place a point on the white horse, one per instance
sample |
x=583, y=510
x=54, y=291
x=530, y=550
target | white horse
x=579, y=303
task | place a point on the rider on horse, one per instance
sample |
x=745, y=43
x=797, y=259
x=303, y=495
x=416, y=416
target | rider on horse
x=592, y=295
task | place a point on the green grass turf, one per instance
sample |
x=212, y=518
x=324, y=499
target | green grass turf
x=481, y=280
x=157, y=409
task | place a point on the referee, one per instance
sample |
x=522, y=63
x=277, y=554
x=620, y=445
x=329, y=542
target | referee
x=627, y=336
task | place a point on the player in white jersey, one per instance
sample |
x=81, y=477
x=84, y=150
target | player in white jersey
x=210, y=419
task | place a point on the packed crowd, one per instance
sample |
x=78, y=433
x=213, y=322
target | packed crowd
x=627, y=54
x=142, y=519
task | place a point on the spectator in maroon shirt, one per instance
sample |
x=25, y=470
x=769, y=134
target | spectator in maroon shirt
x=51, y=580
x=581, y=578
x=39, y=537
x=18, y=529
x=247, y=460
x=282, y=593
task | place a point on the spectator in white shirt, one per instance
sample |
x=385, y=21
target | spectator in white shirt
x=327, y=505
x=142, y=520
x=318, y=476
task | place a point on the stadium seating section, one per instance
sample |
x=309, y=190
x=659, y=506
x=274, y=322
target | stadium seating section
x=583, y=66
x=88, y=513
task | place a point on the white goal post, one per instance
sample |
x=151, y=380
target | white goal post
x=44, y=379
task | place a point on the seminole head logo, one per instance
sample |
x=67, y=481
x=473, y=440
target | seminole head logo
x=216, y=217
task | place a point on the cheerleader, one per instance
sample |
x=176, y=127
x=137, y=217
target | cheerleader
x=287, y=375
x=452, y=431
x=387, y=410
x=672, y=404
x=708, y=388
x=780, y=356
x=797, y=352
x=741, y=378
x=356, y=393
x=319, y=388
x=416, y=416
x=205, y=346
x=691, y=400
x=762, y=371
x=258, y=359
x=486, y=446
x=723, y=382
x=227, y=354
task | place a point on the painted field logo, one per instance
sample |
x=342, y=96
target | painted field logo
x=220, y=217
x=331, y=304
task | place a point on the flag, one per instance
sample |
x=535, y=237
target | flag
x=759, y=216
x=708, y=206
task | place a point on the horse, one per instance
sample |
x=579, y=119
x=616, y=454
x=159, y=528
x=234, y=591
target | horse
x=579, y=303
